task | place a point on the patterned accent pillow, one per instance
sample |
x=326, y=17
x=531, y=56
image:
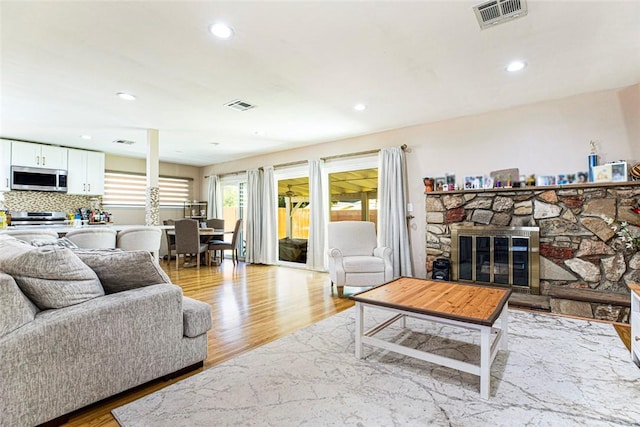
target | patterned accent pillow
x=53, y=277
x=120, y=270
x=63, y=242
x=17, y=310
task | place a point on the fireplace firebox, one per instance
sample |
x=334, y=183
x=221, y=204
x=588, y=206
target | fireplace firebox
x=502, y=256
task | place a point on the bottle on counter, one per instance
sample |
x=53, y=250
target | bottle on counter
x=3, y=219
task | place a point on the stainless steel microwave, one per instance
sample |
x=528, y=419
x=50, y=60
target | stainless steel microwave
x=38, y=179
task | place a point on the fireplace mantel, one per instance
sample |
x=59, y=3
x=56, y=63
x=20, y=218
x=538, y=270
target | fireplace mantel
x=578, y=249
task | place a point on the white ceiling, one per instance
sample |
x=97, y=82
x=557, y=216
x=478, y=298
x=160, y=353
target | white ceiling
x=304, y=64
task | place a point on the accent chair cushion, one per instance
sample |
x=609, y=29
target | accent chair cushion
x=53, y=277
x=17, y=310
x=120, y=270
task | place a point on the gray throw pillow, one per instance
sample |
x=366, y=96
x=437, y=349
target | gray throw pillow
x=120, y=270
x=10, y=247
x=17, y=310
x=54, y=277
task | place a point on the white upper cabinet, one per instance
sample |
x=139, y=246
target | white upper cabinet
x=85, y=174
x=38, y=155
x=5, y=165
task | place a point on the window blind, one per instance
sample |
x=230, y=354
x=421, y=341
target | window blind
x=128, y=189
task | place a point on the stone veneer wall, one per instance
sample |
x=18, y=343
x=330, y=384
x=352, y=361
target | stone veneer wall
x=44, y=201
x=577, y=248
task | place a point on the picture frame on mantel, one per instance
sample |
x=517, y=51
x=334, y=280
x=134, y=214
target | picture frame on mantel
x=602, y=173
x=619, y=171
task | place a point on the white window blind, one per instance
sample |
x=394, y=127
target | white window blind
x=121, y=188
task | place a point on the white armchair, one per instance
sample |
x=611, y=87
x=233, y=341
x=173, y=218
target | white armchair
x=354, y=258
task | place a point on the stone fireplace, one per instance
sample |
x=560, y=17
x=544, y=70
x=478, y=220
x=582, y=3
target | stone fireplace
x=584, y=270
x=499, y=256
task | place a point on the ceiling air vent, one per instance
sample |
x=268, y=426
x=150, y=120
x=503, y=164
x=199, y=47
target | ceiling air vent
x=239, y=105
x=496, y=12
x=123, y=141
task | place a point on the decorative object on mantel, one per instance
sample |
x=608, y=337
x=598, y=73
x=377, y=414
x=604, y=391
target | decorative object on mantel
x=635, y=172
x=593, y=160
x=428, y=184
x=504, y=177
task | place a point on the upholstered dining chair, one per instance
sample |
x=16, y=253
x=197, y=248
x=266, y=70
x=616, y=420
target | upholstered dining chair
x=29, y=235
x=140, y=239
x=93, y=237
x=219, y=245
x=171, y=239
x=216, y=224
x=188, y=240
x=354, y=256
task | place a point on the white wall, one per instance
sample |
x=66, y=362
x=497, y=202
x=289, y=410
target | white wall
x=546, y=138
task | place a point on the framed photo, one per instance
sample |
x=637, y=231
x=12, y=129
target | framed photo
x=441, y=184
x=619, y=171
x=583, y=177
x=473, y=182
x=572, y=178
x=562, y=179
x=602, y=173
x=544, y=180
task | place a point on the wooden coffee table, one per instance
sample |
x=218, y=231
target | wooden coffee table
x=462, y=305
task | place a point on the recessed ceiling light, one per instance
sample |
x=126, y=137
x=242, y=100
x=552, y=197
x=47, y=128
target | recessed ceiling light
x=220, y=30
x=126, y=96
x=359, y=107
x=85, y=136
x=215, y=144
x=515, y=66
x=259, y=133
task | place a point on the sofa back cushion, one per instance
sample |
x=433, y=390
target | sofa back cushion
x=17, y=310
x=120, y=270
x=52, y=277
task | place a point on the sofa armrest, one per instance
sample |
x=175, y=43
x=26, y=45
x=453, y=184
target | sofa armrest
x=335, y=253
x=382, y=252
x=196, y=317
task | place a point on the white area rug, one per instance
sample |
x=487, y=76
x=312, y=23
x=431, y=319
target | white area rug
x=557, y=372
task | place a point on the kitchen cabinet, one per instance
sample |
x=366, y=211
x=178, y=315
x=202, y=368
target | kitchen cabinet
x=86, y=173
x=38, y=155
x=5, y=165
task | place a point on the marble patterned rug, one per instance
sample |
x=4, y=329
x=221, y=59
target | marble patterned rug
x=557, y=372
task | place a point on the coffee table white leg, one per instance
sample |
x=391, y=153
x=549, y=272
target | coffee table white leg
x=485, y=362
x=359, y=329
x=504, y=324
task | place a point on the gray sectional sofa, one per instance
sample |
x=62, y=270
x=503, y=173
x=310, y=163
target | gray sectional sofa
x=77, y=326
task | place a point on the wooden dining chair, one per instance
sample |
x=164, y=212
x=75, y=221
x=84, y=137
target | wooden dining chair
x=188, y=240
x=217, y=245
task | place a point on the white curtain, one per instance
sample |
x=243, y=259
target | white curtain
x=392, y=214
x=261, y=219
x=316, y=251
x=254, y=216
x=215, y=198
x=269, y=217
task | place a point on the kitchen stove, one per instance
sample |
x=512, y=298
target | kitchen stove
x=38, y=218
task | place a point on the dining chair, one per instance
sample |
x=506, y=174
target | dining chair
x=188, y=240
x=171, y=239
x=216, y=224
x=222, y=246
x=29, y=235
x=93, y=238
x=140, y=239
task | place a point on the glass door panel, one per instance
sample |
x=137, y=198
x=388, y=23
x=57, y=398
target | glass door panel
x=354, y=195
x=483, y=259
x=520, y=252
x=501, y=260
x=465, y=258
x=293, y=219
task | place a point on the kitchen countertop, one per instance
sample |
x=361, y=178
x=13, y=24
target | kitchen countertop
x=64, y=229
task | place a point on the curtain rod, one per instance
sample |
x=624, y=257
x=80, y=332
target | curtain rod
x=339, y=156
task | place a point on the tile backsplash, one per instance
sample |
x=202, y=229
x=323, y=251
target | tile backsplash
x=42, y=201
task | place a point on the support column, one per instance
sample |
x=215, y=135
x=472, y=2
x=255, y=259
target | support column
x=152, y=206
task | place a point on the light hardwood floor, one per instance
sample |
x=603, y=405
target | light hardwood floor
x=251, y=305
